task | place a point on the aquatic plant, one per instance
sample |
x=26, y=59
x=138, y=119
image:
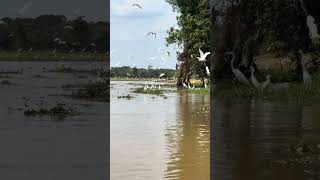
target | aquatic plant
x=58, y=110
x=155, y=91
x=96, y=91
x=126, y=97
x=6, y=82
x=195, y=91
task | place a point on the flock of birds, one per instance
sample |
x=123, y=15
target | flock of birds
x=152, y=87
x=236, y=71
x=240, y=77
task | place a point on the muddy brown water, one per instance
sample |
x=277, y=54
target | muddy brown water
x=37, y=148
x=156, y=138
x=248, y=135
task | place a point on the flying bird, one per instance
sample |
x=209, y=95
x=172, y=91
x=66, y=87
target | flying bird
x=161, y=75
x=203, y=55
x=137, y=5
x=153, y=33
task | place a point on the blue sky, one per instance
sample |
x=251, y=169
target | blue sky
x=130, y=25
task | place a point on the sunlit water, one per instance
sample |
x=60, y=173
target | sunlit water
x=38, y=148
x=156, y=138
x=248, y=135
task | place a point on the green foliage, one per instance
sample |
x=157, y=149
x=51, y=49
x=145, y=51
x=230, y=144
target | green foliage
x=128, y=72
x=192, y=32
x=39, y=33
x=295, y=91
x=148, y=91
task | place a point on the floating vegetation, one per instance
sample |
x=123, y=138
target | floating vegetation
x=195, y=90
x=96, y=91
x=39, y=76
x=59, y=110
x=11, y=71
x=5, y=82
x=155, y=91
x=67, y=69
x=126, y=97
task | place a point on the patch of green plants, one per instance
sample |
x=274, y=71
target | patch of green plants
x=126, y=97
x=195, y=90
x=96, y=91
x=5, y=82
x=155, y=91
x=293, y=91
x=58, y=110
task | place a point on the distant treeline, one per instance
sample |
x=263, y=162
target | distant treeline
x=49, y=32
x=129, y=72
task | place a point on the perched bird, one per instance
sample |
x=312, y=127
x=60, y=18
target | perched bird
x=306, y=76
x=266, y=82
x=137, y=5
x=146, y=87
x=184, y=85
x=203, y=55
x=153, y=33
x=207, y=70
x=253, y=79
x=161, y=75
x=237, y=73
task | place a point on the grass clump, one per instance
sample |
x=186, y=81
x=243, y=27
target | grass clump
x=5, y=82
x=126, y=97
x=195, y=90
x=96, y=91
x=293, y=91
x=58, y=110
x=155, y=91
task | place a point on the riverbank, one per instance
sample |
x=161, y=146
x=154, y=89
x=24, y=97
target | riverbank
x=50, y=56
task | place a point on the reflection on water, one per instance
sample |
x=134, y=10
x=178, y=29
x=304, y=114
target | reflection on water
x=157, y=138
x=247, y=136
x=38, y=148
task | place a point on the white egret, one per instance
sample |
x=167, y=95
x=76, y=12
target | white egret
x=184, y=85
x=137, y=5
x=203, y=55
x=153, y=33
x=266, y=82
x=253, y=79
x=161, y=75
x=207, y=70
x=237, y=73
x=306, y=76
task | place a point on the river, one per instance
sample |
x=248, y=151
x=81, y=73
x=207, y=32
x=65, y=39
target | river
x=248, y=136
x=46, y=147
x=157, y=138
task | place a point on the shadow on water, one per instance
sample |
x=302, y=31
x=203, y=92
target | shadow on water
x=247, y=136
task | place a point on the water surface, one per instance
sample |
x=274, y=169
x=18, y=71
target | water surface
x=38, y=148
x=156, y=138
x=249, y=134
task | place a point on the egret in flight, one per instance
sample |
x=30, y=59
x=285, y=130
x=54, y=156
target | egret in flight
x=153, y=33
x=137, y=5
x=203, y=55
